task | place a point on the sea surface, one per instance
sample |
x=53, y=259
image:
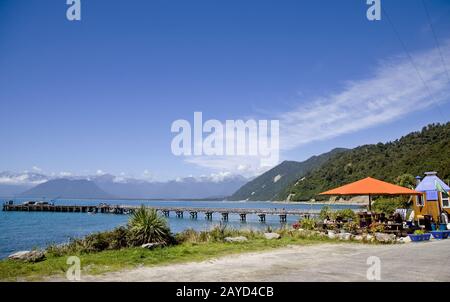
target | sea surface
x=28, y=230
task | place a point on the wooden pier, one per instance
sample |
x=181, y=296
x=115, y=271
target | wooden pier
x=179, y=211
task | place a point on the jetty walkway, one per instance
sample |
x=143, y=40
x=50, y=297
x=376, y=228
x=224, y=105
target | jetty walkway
x=179, y=211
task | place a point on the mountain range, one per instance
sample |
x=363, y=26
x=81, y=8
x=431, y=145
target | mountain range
x=415, y=153
x=271, y=184
x=67, y=188
x=108, y=186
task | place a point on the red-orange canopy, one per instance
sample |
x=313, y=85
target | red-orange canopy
x=370, y=186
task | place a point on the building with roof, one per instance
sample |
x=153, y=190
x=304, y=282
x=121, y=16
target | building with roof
x=432, y=202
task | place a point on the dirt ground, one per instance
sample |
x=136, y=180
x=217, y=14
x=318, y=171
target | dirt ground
x=425, y=261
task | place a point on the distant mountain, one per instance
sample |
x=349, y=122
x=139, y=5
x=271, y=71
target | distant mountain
x=415, y=153
x=107, y=185
x=190, y=187
x=12, y=190
x=271, y=184
x=12, y=184
x=67, y=188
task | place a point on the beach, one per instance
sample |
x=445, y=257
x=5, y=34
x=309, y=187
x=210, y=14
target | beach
x=323, y=262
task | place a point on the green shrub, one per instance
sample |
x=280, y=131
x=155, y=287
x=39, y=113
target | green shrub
x=96, y=242
x=146, y=226
x=188, y=235
x=118, y=238
x=389, y=205
x=351, y=226
x=376, y=227
x=346, y=214
x=307, y=224
x=216, y=234
x=326, y=212
x=219, y=232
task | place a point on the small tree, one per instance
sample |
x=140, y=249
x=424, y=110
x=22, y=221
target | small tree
x=146, y=226
x=406, y=180
x=389, y=205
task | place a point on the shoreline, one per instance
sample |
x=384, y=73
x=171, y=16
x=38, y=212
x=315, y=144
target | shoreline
x=321, y=203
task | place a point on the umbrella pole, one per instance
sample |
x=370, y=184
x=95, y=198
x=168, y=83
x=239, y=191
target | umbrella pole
x=370, y=203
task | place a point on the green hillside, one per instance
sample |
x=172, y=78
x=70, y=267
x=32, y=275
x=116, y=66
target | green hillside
x=415, y=153
x=270, y=184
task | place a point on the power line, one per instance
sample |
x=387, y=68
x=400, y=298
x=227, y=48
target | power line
x=411, y=60
x=436, y=39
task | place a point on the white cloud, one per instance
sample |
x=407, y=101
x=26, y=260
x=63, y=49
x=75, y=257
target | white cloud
x=100, y=172
x=25, y=178
x=147, y=175
x=393, y=91
x=36, y=169
x=244, y=165
x=219, y=177
x=243, y=168
x=65, y=174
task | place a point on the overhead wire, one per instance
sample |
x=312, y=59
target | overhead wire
x=408, y=54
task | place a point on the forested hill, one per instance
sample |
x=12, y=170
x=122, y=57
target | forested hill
x=415, y=153
x=270, y=184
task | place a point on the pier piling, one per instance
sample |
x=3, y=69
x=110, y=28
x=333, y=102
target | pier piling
x=208, y=215
x=243, y=217
x=225, y=216
x=193, y=211
x=262, y=217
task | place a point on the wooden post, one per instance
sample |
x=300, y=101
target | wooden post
x=208, y=215
x=225, y=216
x=262, y=217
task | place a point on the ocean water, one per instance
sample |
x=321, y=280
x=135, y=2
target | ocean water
x=27, y=230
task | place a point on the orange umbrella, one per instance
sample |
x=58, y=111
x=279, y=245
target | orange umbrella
x=370, y=186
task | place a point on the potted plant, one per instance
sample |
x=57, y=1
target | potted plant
x=439, y=234
x=419, y=235
x=351, y=227
x=376, y=227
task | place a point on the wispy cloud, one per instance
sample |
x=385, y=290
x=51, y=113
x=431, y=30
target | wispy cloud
x=393, y=91
x=247, y=166
x=36, y=169
x=24, y=178
x=100, y=172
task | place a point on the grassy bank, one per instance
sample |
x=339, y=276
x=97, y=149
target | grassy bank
x=121, y=248
x=113, y=260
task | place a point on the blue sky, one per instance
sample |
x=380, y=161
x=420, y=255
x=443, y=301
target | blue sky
x=102, y=93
